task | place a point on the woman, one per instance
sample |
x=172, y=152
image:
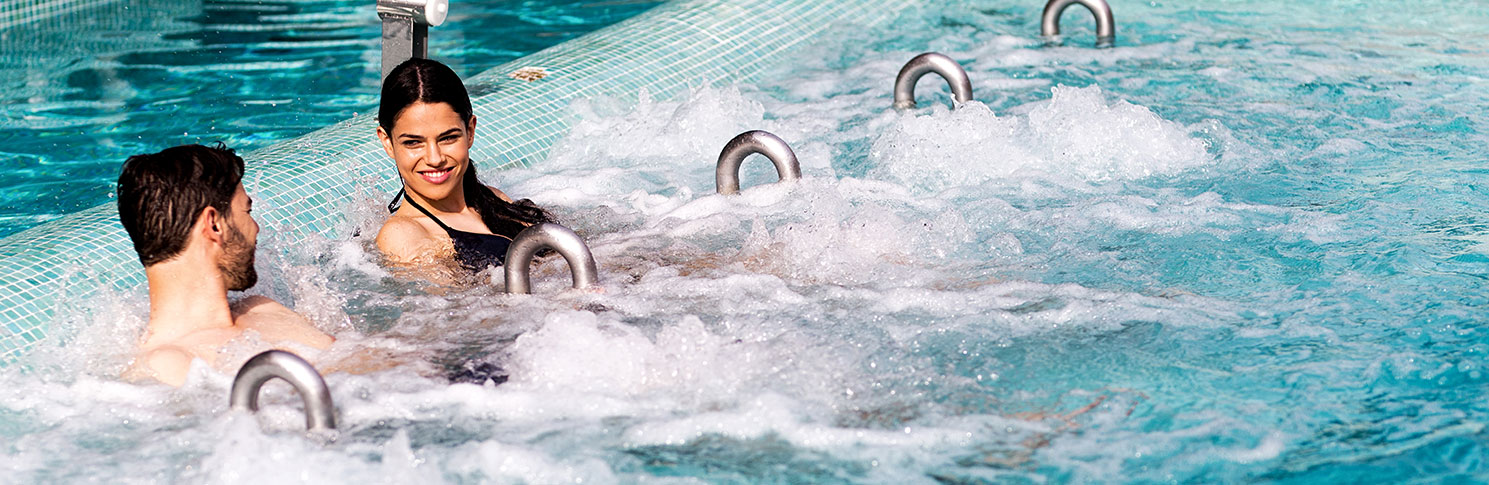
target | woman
x=426, y=125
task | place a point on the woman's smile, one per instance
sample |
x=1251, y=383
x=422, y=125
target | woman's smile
x=437, y=176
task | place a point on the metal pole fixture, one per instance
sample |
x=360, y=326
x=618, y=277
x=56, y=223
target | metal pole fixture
x=406, y=28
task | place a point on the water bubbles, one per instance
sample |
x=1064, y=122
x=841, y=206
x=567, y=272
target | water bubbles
x=1078, y=134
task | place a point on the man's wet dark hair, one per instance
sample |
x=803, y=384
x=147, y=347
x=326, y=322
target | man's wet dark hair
x=161, y=195
x=428, y=81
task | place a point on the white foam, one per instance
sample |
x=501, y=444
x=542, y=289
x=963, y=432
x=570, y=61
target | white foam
x=778, y=415
x=1078, y=133
x=491, y=460
x=657, y=132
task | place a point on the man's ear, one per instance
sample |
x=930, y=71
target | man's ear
x=209, y=225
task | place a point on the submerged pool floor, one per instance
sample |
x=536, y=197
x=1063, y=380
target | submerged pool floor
x=1246, y=244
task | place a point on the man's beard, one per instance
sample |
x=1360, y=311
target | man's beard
x=236, y=263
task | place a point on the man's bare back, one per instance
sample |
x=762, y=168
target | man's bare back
x=168, y=357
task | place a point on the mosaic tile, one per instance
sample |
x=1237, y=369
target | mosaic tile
x=20, y=12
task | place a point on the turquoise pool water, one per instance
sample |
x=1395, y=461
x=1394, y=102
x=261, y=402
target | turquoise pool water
x=85, y=91
x=1245, y=245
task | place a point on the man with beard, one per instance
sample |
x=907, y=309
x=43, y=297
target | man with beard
x=189, y=218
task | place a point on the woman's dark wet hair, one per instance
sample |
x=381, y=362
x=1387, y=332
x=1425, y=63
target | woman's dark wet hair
x=428, y=81
x=161, y=194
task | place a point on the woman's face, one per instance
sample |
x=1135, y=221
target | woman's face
x=431, y=147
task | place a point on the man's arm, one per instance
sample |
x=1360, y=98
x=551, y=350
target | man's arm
x=168, y=364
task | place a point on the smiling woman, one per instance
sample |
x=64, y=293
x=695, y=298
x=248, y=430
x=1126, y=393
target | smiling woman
x=425, y=123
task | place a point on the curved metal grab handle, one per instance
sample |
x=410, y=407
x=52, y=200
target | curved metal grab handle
x=1106, y=28
x=320, y=413
x=950, y=70
x=726, y=174
x=559, y=238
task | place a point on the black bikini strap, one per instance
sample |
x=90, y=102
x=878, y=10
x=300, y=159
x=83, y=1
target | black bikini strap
x=393, y=204
x=416, y=205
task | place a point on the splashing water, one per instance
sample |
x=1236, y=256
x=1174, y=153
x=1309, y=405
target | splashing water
x=1209, y=254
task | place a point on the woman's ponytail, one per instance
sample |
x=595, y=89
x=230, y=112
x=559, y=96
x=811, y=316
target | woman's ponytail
x=501, y=217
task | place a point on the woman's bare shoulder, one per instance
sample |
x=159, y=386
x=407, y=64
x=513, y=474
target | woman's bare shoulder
x=403, y=239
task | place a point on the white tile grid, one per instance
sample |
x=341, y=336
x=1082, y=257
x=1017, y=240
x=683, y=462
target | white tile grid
x=15, y=13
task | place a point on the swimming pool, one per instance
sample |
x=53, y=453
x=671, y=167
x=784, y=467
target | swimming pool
x=1244, y=245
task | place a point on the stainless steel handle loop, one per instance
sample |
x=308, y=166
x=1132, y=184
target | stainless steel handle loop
x=1106, y=28
x=950, y=70
x=320, y=413
x=726, y=173
x=558, y=238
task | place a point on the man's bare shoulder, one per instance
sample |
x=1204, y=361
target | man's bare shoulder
x=167, y=363
x=259, y=305
x=277, y=323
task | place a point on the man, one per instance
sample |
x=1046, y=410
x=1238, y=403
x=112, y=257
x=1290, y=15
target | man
x=189, y=218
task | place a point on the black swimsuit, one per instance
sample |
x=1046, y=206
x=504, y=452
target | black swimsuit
x=474, y=251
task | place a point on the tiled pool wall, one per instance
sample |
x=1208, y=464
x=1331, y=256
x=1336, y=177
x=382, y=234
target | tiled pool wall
x=304, y=187
x=22, y=12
